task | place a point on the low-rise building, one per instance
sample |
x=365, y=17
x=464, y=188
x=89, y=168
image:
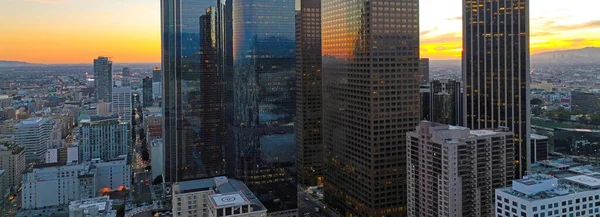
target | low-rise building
x=214, y=197
x=93, y=207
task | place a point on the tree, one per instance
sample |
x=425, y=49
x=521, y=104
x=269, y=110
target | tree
x=595, y=119
x=536, y=101
x=537, y=111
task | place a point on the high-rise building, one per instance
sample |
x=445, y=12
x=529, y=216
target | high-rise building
x=370, y=100
x=496, y=69
x=147, y=98
x=446, y=102
x=157, y=158
x=425, y=94
x=103, y=79
x=34, y=135
x=156, y=74
x=453, y=171
x=215, y=197
x=126, y=80
x=261, y=145
x=104, y=138
x=424, y=71
x=12, y=161
x=194, y=39
x=539, y=148
x=122, y=103
x=309, y=109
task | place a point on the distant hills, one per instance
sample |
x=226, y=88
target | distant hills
x=577, y=56
x=8, y=63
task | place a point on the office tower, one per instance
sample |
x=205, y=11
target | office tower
x=103, y=79
x=425, y=96
x=424, y=71
x=122, y=103
x=496, y=70
x=126, y=80
x=446, y=102
x=194, y=39
x=453, y=171
x=156, y=74
x=12, y=161
x=261, y=142
x=370, y=100
x=543, y=195
x=157, y=158
x=34, y=134
x=147, y=98
x=104, y=138
x=539, y=148
x=309, y=109
x=217, y=196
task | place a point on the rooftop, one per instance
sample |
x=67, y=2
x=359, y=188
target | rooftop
x=228, y=192
x=536, y=136
x=33, y=122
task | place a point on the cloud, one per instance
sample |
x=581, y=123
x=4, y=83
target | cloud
x=54, y=2
x=443, y=38
x=459, y=18
x=579, y=26
x=541, y=33
x=429, y=31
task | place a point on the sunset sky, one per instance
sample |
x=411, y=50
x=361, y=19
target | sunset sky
x=77, y=31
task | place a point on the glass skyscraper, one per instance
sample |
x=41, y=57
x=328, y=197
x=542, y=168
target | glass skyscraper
x=261, y=138
x=193, y=63
x=496, y=70
x=370, y=100
x=103, y=79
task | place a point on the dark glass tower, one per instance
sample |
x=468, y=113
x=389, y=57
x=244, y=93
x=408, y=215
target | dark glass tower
x=193, y=58
x=103, y=79
x=147, y=92
x=261, y=145
x=370, y=100
x=496, y=70
x=446, y=102
x=309, y=107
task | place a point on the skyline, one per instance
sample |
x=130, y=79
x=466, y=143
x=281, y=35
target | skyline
x=77, y=31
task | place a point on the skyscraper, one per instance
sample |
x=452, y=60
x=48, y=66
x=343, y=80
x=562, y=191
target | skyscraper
x=34, y=134
x=446, y=102
x=496, y=70
x=126, y=81
x=309, y=109
x=453, y=171
x=370, y=100
x=261, y=141
x=103, y=79
x=156, y=74
x=424, y=71
x=122, y=104
x=193, y=64
x=147, y=98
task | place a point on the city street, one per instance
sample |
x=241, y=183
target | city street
x=307, y=207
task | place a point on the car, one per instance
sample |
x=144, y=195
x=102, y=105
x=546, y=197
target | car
x=306, y=198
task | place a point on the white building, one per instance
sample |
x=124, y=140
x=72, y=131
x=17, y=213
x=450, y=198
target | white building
x=93, y=207
x=34, y=135
x=214, y=197
x=156, y=156
x=121, y=103
x=156, y=90
x=104, y=138
x=542, y=195
x=48, y=185
x=453, y=171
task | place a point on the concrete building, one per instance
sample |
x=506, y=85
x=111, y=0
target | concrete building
x=156, y=90
x=4, y=187
x=104, y=108
x=544, y=195
x=309, y=106
x=56, y=184
x=5, y=101
x=370, y=101
x=63, y=155
x=585, y=103
x=446, y=102
x=104, y=138
x=215, y=197
x=496, y=70
x=103, y=80
x=126, y=79
x=453, y=171
x=34, y=135
x=156, y=158
x=12, y=161
x=539, y=148
x=424, y=70
x=122, y=103
x=93, y=207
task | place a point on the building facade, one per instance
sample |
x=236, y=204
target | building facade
x=261, y=100
x=156, y=74
x=147, y=98
x=122, y=103
x=539, y=148
x=194, y=50
x=12, y=161
x=496, y=69
x=309, y=105
x=453, y=171
x=585, y=103
x=370, y=100
x=103, y=80
x=424, y=71
x=34, y=135
x=446, y=102
x=215, y=197
x=126, y=79
x=104, y=138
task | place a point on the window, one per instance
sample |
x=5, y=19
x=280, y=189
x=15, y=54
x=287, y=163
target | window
x=523, y=207
x=543, y=207
x=535, y=208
